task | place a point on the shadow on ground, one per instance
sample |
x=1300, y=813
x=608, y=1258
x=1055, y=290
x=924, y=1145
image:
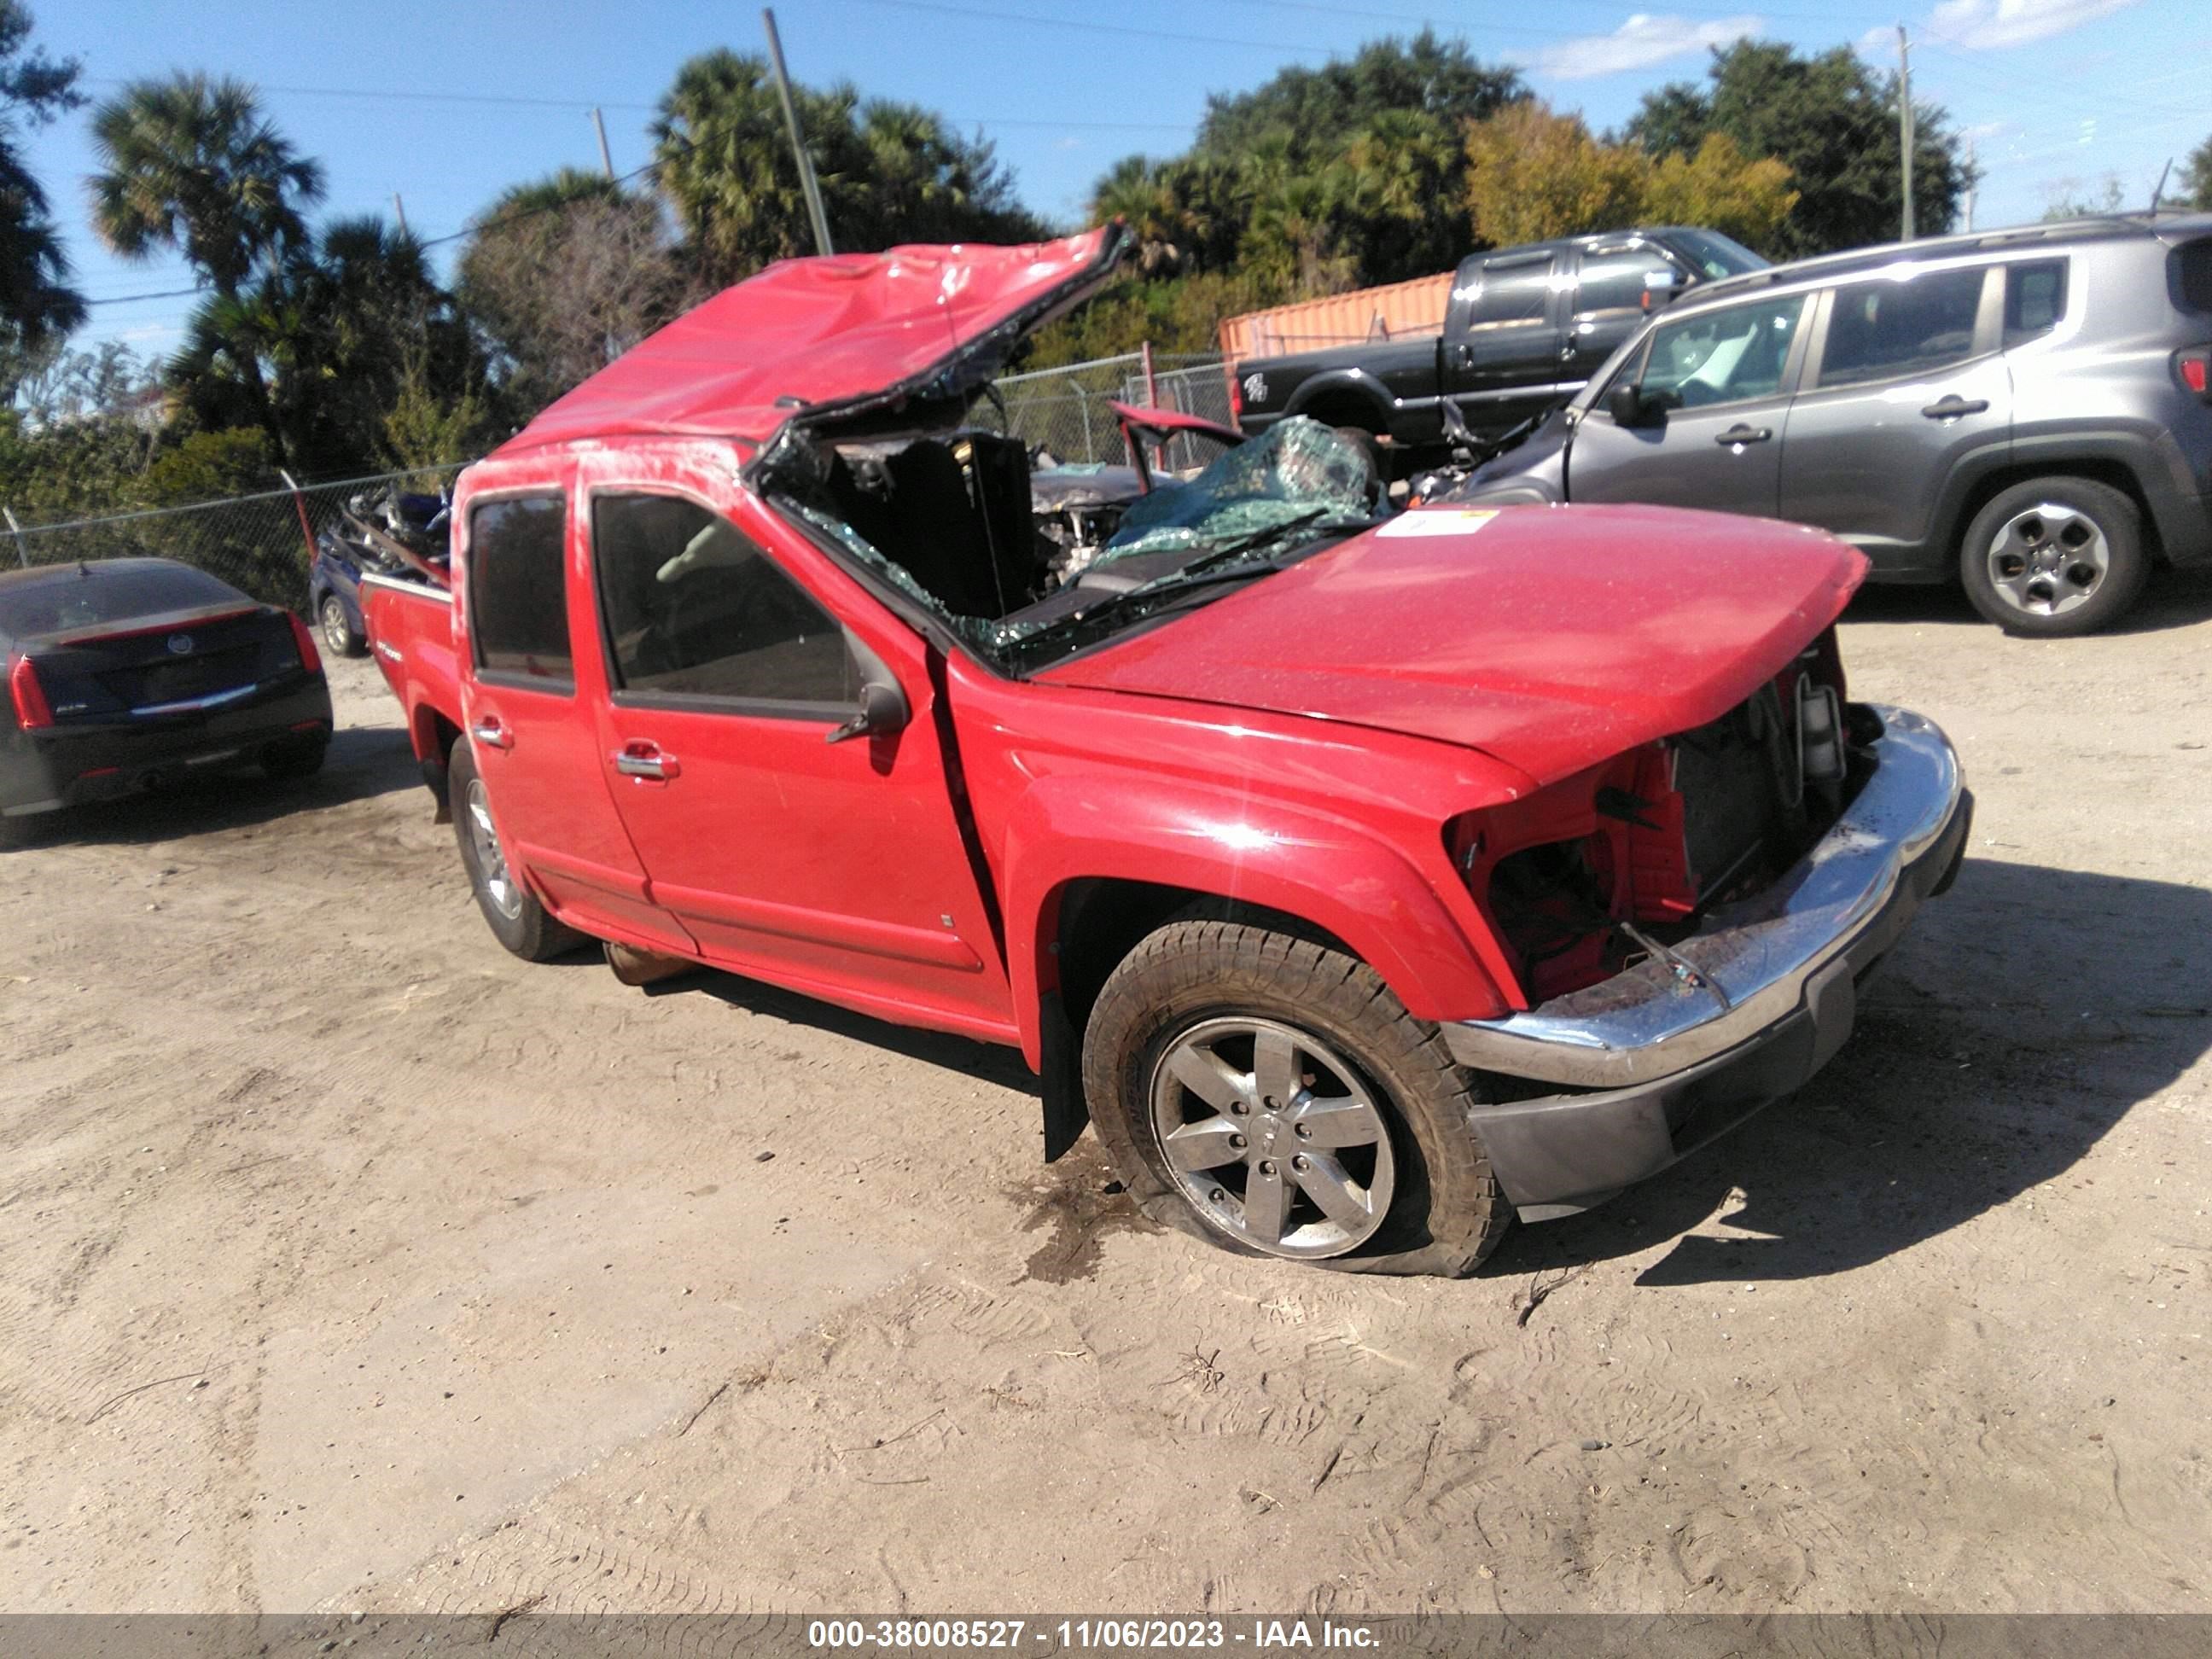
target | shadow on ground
x=360, y=764
x=2173, y=598
x=985, y=1061
x=1976, y=1074
x=2023, y=1017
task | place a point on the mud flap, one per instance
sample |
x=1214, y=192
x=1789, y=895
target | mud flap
x=434, y=780
x=1066, y=1111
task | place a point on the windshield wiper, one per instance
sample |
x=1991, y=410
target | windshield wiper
x=1229, y=563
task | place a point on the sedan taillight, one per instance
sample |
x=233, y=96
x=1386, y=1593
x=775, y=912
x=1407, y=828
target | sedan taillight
x=310, y=658
x=32, y=709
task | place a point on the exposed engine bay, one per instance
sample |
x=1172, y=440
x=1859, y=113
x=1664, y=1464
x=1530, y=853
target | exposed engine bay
x=957, y=520
x=1587, y=878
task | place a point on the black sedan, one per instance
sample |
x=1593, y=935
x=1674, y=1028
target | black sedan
x=127, y=673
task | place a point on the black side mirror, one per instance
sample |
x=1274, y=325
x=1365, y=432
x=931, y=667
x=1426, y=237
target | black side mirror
x=1626, y=404
x=882, y=710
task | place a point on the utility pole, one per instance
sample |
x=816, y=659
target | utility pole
x=1971, y=181
x=606, y=156
x=400, y=208
x=806, y=180
x=1904, y=122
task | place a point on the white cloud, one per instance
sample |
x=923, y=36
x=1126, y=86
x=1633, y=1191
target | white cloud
x=1643, y=41
x=1980, y=24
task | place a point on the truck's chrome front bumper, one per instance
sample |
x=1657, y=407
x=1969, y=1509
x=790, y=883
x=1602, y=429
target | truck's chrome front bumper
x=1743, y=1011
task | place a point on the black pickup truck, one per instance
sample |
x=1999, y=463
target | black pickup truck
x=1525, y=327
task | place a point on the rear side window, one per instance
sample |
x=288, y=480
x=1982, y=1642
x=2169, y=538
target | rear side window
x=2035, y=299
x=1511, y=292
x=2192, y=275
x=517, y=603
x=1884, y=330
x=693, y=607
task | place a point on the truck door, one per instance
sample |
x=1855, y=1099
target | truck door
x=1616, y=286
x=1501, y=348
x=1717, y=383
x=535, y=744
x=1906, y=382
x=734, y=650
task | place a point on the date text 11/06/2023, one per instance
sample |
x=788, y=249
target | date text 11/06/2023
x=1255, y=1635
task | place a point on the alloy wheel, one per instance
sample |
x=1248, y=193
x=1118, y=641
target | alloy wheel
x=335, y=631
x=2048, y=559
x=499, y=885
x=1274, y=1138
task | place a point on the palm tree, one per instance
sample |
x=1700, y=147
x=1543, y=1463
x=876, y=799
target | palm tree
x=37, y=307
x=726, y=164
x=189, y=164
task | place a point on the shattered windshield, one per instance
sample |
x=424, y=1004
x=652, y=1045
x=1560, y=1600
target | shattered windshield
x=1256, y=508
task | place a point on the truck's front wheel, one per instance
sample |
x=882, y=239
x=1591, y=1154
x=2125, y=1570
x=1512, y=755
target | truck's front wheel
x=1270, y=1095
x=517, y=920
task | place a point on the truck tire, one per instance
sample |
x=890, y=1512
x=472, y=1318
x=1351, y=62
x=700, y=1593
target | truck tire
x=2055, y=557
x=517, y=920
x=340, y=637
x=1270, y=1095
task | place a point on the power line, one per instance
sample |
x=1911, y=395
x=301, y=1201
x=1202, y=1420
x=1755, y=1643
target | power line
x=132, y=299
x=943, y=8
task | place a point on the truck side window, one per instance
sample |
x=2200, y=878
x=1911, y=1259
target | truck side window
x=518, y=600
x=1511, y=292
x=1620, y=279
x=693, y=607
x=2035, y=299
x=1883, y=330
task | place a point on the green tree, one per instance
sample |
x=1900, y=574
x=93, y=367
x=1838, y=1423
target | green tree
x=889, y=173
x=188, y=164
x=1832, y=122
x=1324, y=108
x=38, y=307
x=1719, y=188
x=2194, y=188
x=558, y=277
x=1533, y=174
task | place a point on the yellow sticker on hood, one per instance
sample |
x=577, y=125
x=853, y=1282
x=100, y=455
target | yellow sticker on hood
x=1439, y=521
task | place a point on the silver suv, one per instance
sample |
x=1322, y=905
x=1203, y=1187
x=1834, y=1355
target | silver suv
x=2025, y=411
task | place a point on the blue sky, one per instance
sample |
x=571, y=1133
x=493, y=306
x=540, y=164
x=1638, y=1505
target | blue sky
x=2057, y=93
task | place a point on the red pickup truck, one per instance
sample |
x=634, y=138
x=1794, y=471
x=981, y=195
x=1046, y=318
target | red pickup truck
x=1366, y=880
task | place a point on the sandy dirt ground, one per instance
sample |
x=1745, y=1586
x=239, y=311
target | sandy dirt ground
x=351, y=1263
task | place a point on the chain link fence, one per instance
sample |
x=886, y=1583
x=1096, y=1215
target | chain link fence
x=257, y=543
x=1065, y=411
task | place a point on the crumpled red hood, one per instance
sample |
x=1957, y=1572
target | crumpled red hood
x=1550, y=638
x=810, y=332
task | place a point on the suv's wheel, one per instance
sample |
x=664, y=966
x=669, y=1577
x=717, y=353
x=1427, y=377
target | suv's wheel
x=1270, y=1095
x=2055, y=557
x=517, y=920
x=340, y=636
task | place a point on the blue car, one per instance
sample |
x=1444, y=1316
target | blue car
x=385, y=535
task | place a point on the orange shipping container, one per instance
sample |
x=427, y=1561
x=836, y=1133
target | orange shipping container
x=1394, y=311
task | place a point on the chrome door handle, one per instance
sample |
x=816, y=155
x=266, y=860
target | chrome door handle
x=1745, y=435
x=642, y=760
x=492, y=734
x=1950, y=408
